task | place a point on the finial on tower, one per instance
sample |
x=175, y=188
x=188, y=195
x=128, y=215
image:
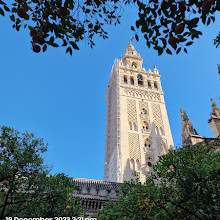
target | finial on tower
x=130, y=40
x=187, y=129
x=215, y=110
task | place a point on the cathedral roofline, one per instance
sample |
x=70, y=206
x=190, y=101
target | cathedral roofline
x=98, y=184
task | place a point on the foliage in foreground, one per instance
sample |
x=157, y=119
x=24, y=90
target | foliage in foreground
x=165, y=24
x=26, y=188
x=185, y=185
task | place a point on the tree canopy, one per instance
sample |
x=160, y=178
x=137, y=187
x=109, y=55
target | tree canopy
x=166, y=25
x=26, y=187
x=185, y=184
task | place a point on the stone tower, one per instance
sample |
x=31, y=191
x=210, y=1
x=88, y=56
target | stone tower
x=137, y=127
x=214, y=120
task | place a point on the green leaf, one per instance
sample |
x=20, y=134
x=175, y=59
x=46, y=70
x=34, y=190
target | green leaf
x=54, y=45
x=178, y=50
x=132, y=28
x=12, y=17
x=74, y=45
x=2, y=12
x=189, y=43
x=6, y=8
x=69, y=50
x=168, y=51
x=44, y=47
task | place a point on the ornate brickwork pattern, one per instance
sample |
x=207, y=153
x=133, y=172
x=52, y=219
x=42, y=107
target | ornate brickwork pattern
x=157, y=116
x=142, y=94
x=134, y=146
x=132, y=113
x=143, y=105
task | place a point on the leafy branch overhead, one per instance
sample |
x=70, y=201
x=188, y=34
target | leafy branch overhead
x=166, y=25
x=173, y=25
x=61, y=23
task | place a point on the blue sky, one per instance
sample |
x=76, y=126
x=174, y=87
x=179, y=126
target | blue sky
x=62, y=98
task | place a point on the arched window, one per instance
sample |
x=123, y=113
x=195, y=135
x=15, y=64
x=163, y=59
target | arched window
x=144, y=111
x=135, y=126
x=149, y=164
x=132, y=80
x=161, y=131
x=132, y=164
x=146, y=125
x=138, y=164
x=134, y=65
x=140, y=80
x=125, y=79
x=155, y=85
x=149, y=84
x=130, y=125
x=147, y=143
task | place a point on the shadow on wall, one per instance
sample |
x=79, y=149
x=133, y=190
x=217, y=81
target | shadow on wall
x=154, y=146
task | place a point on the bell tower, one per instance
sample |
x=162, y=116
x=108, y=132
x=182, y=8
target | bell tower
x=137, y=126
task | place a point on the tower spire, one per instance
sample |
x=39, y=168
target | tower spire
x=215, y=110
x=187, y=129
x=131, y=38
x=214, y=120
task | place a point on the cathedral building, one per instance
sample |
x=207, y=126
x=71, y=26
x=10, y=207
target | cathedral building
x=137, y=129
x=190, y=135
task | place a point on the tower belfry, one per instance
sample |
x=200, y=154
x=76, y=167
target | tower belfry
x=137, y=128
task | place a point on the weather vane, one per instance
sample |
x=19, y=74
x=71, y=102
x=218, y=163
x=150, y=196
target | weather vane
x=131, y=40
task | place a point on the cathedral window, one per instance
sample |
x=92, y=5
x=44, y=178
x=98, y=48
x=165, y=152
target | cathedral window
x=155, y=85
x=146, y=125
x=147, y=143
x=135, y=126
x=149, y=164
x=125, y=79
x=132, y=80
x=161, y=131
x=130, y=125
x=134, y=65
x=157, y=131
x=138, y=164
x=149, y=84
x=132, y=164
x=140, y=80
x=144, y=111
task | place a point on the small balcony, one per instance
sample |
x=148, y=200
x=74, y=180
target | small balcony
x=145, y=131
x=144, y=116
x=149, y=150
